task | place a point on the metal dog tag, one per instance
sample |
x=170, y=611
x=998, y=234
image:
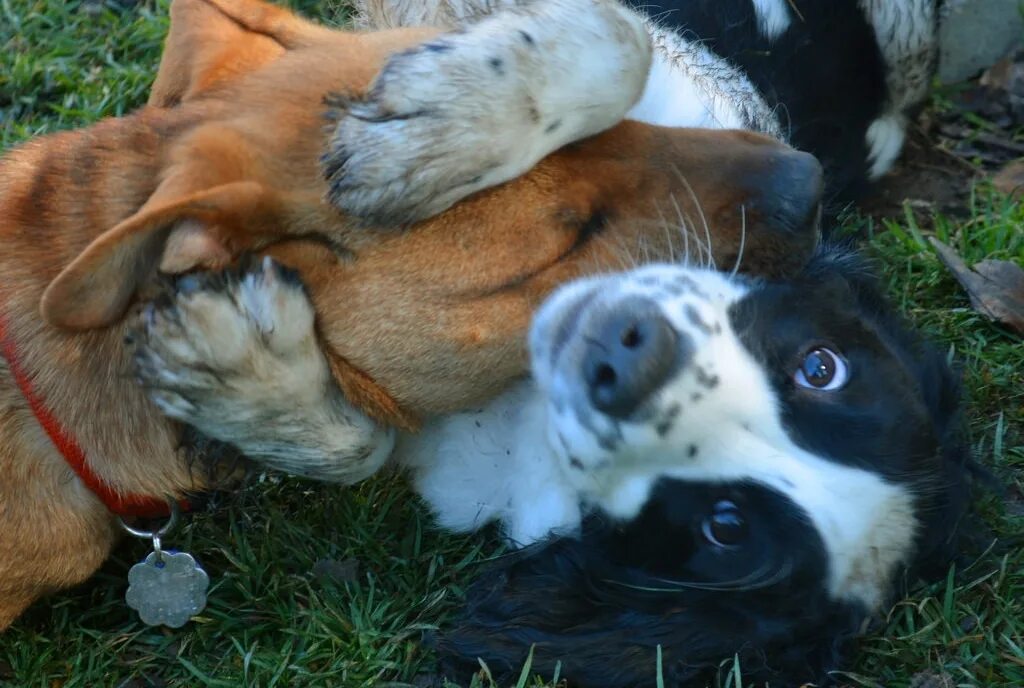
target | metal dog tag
x=167, y=588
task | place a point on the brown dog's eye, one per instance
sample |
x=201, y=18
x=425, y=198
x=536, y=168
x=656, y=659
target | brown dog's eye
x=725, y=527
x=586, y=224
x=822, y=369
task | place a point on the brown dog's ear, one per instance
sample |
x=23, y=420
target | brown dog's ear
x=205, y=229
x=212, y=42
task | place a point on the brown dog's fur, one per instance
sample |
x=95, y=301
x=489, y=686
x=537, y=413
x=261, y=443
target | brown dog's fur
x=225, y=159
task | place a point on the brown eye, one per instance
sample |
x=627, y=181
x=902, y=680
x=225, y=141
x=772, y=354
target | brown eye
x=725, y=527
x=822, y=369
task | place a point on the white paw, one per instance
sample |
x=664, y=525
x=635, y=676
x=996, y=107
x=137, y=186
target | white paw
x=476, y=108
x=235, y=355
x=885, y=139
x=229, y=335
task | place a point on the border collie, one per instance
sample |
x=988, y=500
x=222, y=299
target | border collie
x=703, y=465
x=729, y=467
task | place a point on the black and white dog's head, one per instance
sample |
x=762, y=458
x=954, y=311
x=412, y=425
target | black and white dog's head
x=759, y=463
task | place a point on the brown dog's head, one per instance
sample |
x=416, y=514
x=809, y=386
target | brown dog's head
x=430, y=319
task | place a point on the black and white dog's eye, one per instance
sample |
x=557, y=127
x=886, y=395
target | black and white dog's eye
x=725, y=527
x=822, y=369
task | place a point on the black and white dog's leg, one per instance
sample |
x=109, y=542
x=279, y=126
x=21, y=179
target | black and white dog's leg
x=475, y=108
x=235, y=355
x=907, y=36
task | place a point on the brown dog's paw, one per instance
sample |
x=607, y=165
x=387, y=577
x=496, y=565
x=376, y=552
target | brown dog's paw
x=476, y=108
x=216, y=334
x=235, y=355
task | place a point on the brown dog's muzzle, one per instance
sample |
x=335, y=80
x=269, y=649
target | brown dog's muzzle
x=786, y=192
x=437, y=315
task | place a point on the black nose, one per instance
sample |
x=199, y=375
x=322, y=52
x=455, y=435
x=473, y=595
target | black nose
x=630, y=352
x=789, y=190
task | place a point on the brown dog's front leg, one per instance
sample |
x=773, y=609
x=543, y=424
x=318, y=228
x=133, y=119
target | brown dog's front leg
x=235, y=354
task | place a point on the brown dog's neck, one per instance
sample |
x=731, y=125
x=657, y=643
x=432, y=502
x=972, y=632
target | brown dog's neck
x=120, y=503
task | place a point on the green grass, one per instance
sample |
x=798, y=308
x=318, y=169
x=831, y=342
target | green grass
x=970, y=626
x=273, y=621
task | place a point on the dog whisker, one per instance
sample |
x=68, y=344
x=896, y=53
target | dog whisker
x=700, y=213
x=743, y=241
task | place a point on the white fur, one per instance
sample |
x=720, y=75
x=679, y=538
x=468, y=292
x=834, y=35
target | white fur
x=907, y=35
x=885, y=139
x=906, y=32
x=492, y=465
x=773, y=17
x=689, y=86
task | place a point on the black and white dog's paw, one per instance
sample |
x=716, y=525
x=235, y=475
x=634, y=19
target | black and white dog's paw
x=475, y=108
x=235, y=355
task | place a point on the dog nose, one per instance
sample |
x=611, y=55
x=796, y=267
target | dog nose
x=790, y=188
x=630, y=351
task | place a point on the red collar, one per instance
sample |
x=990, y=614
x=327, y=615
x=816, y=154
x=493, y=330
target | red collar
x=120, y=504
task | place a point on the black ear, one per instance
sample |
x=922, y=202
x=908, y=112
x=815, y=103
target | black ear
x=565, y=601
x=953, y=531
x=839, y=260
x=544, y=598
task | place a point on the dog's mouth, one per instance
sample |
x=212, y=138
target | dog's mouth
x=694, y=577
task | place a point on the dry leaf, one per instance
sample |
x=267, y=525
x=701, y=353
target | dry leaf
x=1003, y=75
x=1010, y=180
x=996, y=287
x=1006, y=75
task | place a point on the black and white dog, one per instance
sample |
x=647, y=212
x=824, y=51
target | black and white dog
x=702, y=466
x=734, y=467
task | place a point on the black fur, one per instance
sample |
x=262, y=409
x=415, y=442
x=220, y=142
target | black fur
x=825, y=75
x=604, y=603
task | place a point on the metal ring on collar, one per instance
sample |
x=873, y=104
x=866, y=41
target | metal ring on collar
x=164, y=530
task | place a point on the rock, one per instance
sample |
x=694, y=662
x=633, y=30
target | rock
x=975, y=34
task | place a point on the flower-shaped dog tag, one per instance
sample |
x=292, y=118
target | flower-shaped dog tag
x=167, y=588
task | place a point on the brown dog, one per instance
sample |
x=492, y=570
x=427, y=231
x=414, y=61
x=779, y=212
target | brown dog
x=227, y=159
